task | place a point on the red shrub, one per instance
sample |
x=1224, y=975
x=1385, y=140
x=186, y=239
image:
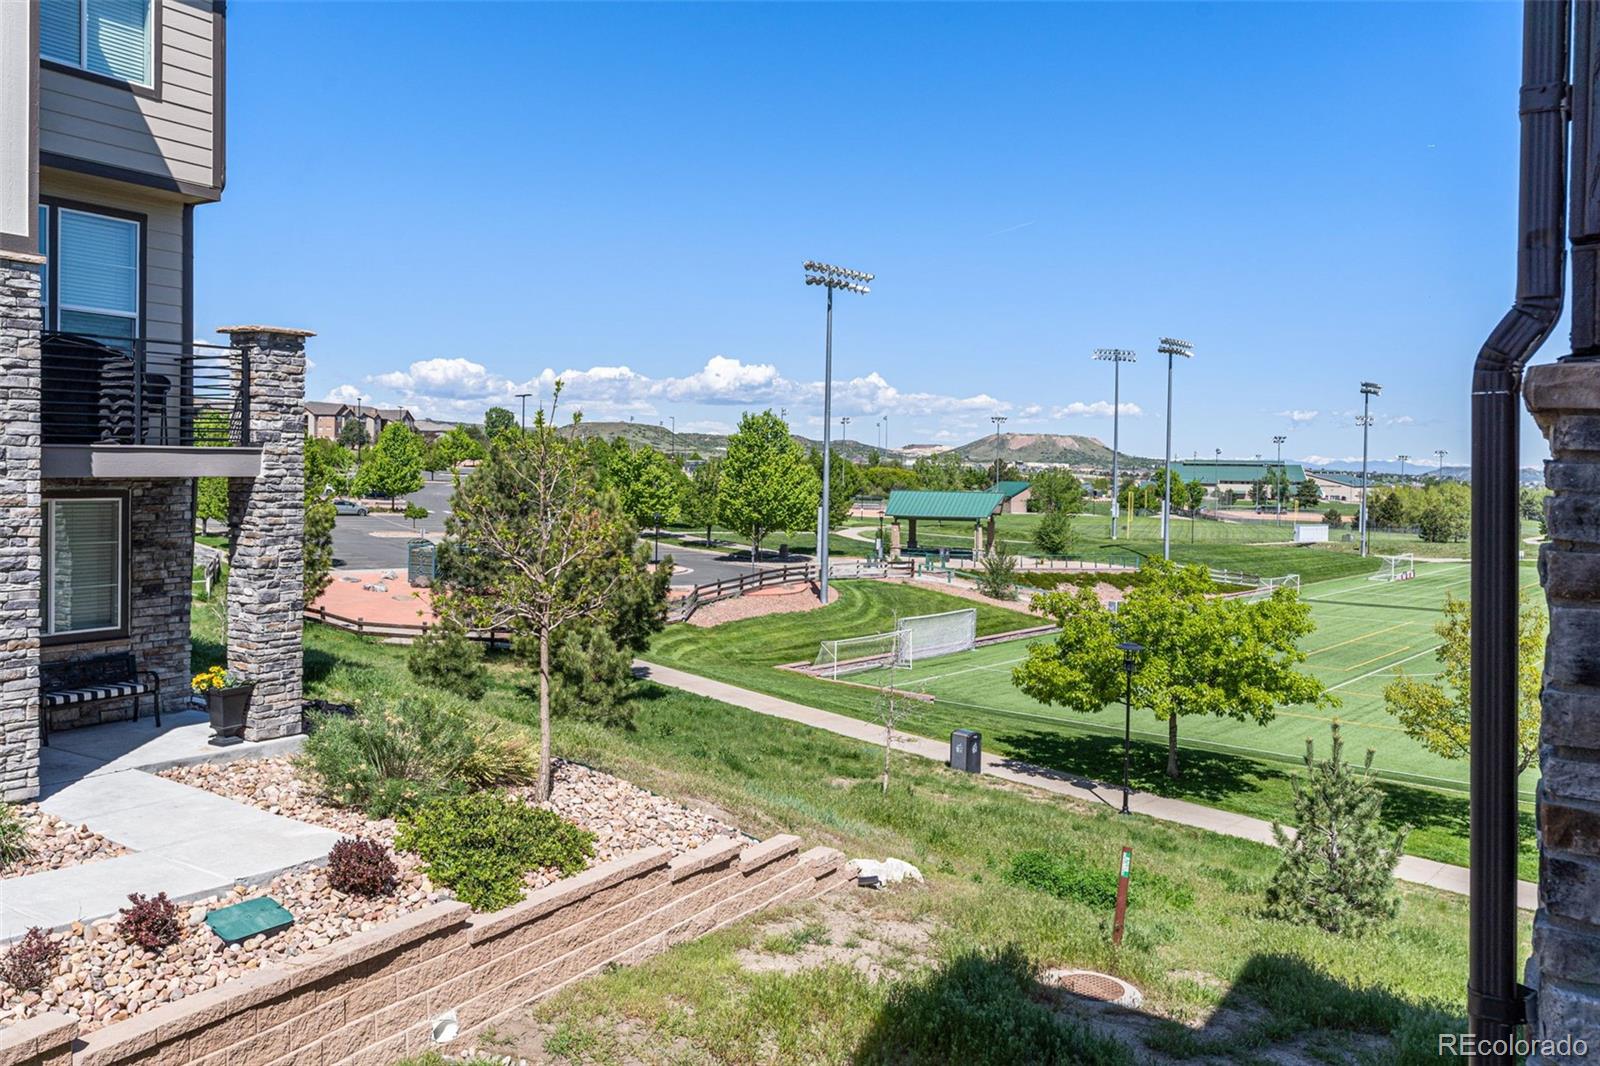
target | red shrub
x=30, y=961
x=361, y=867
x=152, y=923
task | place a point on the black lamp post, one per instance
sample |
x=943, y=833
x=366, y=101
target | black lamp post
x=658, y=538
x=1129, y=664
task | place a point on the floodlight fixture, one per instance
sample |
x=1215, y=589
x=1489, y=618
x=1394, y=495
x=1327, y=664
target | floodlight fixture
x=1171, y=346
x=836, y=277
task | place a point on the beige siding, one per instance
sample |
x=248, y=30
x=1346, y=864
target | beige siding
x=170, y=135
x=163, y=242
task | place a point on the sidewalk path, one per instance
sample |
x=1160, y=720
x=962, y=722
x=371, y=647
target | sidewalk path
x=1411, y=868
x=183, y=841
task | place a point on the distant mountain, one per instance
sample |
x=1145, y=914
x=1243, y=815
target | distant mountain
x=706, y=445
x=1528, y=475
x=1061, y=448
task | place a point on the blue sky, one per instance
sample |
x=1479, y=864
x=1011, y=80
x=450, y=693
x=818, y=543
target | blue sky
x=466, y=200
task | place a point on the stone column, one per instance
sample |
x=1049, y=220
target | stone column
x=21, y=525
x=266, y=531
x=1565, y=401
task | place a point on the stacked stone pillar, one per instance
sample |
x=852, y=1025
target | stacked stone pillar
x=1565, y=401
x=21, y=525
x=266, y=532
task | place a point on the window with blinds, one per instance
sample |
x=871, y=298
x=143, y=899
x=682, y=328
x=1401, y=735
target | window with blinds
x=109, y=37
x=84, y=562
x=97, y=274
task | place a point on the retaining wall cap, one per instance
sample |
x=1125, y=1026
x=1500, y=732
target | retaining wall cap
x=770, y=850
x=821, y=859
x=121, y=1041
x=220, y=1002
x=32, y=1037
x=390, y=936
x=714, y=852
x=567, y=890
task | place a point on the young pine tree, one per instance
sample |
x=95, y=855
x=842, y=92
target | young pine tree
x=1338, y=871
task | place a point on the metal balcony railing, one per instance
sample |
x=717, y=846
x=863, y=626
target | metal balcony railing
x=112, y=390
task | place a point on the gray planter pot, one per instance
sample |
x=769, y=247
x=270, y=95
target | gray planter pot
x=229, y=708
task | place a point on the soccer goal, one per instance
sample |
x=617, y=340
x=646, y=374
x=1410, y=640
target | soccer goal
x=925, y=636
x=1268, y=585
x=853, y=655
x=1396, y=568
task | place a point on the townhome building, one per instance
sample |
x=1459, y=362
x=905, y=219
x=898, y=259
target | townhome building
x=112, y=149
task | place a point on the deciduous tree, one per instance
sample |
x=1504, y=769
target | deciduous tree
x=1307, y=495
x=1202, y=654
x=393, y=466
x=767, y=483
x=705, y=494
x=497, y=422
x=1055, y=490
x=1439, y=716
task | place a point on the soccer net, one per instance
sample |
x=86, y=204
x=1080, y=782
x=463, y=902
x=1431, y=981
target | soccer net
x=1396, y=568
x=853, y=655
x=1268, y=585
x=925, y=636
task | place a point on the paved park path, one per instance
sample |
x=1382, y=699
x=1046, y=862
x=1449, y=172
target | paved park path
x=1412, y=868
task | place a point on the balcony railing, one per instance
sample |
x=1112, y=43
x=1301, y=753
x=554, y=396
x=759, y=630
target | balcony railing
x=112, y=390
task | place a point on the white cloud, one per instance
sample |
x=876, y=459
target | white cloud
x=343, y=394
x=1399, y=420
x=1097, y=409
x=1299, y=415
x=1324, y=460
x=1030, y=411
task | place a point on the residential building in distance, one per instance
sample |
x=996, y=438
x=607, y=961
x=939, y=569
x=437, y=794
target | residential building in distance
x=325, y=419
x=111, y=136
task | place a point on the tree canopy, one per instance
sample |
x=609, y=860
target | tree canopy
x=1202, y=654
x=497, y=421
x=1055, y=490
x=767, y=483
x=393, y=466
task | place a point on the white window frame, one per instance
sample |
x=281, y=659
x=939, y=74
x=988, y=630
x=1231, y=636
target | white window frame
x=47, y=622
x=138, y=275
x=82, y=63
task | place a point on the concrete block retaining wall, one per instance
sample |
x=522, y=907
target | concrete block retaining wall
x=373, y=998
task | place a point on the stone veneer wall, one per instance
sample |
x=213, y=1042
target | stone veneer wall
x=20, y=526
x=1565, y=401
x=266, y=533
x=160, y=569
x=372, y=999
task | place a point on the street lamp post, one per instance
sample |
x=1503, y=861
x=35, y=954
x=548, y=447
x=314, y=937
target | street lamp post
x=1116, y=357
x=1170, y=347
x=523, y=396
x=1281, y=481
x=1129, y=663
x=829, y=277
x=1368, y=391
x=998, y=420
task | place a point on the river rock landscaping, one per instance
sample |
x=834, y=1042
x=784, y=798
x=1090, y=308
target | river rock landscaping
x=54, y=844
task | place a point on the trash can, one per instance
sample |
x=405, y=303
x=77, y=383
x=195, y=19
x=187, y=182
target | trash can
x=966, y=751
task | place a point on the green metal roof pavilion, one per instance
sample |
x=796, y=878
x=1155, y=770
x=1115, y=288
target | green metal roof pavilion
x=930, y=504
x=1209, y=472
x=1009, y=489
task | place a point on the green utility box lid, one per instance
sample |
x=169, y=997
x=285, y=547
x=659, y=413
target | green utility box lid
x=245, y=920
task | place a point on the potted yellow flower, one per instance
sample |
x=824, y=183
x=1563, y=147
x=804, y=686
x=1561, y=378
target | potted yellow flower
x=227, y=702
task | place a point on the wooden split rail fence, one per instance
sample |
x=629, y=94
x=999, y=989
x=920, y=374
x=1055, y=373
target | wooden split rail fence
x=682, y=608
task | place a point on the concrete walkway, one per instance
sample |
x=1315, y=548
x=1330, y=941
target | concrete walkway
x=1411, y=868
x=183, y=841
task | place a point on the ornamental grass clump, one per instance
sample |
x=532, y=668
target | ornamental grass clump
x=31, y=960
x=481, y=844
x=150, y=921
x=1338, y=871
x=359, y=867
x=14, y=846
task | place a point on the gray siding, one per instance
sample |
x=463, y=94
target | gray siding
x=163, y=241
x=170, y=132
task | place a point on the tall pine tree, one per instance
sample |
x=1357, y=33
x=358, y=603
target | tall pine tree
x=1338, y=871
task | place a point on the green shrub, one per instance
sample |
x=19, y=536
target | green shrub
x=479, y=845
x=14, y=846
x=997, y=574
x=444, y=656
x=388, y=761
x=1054, y=579
x=1053, y=534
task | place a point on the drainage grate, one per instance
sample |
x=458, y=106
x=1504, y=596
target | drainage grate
x=1087, y=984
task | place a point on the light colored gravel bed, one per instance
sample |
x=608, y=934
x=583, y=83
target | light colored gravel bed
x=55, y=844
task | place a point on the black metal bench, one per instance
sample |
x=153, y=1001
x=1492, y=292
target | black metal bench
x=92, y=679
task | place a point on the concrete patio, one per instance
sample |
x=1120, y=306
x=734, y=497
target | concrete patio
x=183, y=841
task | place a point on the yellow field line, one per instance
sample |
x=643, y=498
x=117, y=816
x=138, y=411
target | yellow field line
x=1385, y=655
x=1357, y=640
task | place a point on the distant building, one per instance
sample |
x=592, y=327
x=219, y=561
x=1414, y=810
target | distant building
x=324, y=419
x=431, y=430
x=1234, y=475
x=1016, y=493
x=1340, y=488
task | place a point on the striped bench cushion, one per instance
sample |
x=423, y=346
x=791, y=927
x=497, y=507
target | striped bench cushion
x=90, y=693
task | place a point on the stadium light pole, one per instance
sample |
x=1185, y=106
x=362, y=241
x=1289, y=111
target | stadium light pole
x=1402, y=459
x=1282, y=481
x=1116, y=357
x=1130, y=663
x=523, y=396
x=829, y=277
x=998, y=420
x=1441, y=453
x=1170, y=347
x=844, y=428
x=1368, y=391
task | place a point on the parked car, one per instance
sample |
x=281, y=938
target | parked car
x=348, y=507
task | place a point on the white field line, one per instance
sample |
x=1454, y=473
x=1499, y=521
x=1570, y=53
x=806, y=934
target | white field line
x=1387, y=666
x=967, y=670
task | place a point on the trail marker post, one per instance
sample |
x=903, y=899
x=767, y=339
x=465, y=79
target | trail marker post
x=1122, y=896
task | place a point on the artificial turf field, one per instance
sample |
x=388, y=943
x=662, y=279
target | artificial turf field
x=1365, y=629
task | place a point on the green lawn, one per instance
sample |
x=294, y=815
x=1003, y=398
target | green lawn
x=1282, y=988
x=1231, y=776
